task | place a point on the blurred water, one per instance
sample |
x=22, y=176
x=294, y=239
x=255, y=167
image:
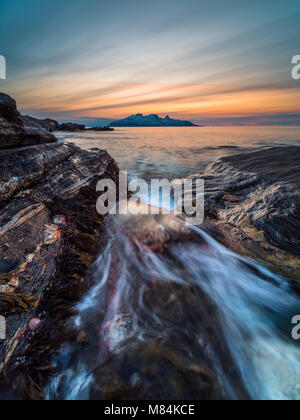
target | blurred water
x=141, y=297
x=178, y=152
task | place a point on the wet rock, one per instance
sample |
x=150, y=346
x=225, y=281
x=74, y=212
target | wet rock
x=13, y=132
x=254, y=200
x=34, y=324
x=49, y=233
x=148, y=335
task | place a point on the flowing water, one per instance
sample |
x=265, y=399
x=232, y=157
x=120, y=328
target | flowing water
x=172, y=314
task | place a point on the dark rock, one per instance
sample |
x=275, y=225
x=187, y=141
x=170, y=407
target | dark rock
x=13, y=132
x=254, y=198
x=8, y=110
x=47, y=124
x=100, y=129
x=71, y=127
x=49, y=231
x=53, y=125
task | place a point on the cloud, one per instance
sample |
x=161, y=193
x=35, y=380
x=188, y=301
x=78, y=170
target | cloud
x=97, y=58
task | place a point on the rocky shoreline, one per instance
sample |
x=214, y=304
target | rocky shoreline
x=49, y=234
x=252, y=205
x=53, y=125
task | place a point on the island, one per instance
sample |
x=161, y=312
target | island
x=153, y=120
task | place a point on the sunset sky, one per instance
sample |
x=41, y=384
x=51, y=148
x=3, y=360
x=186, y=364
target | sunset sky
x=207, y=61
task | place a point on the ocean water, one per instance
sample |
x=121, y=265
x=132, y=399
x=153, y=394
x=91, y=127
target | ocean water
x=178, y=152
x=189, y=320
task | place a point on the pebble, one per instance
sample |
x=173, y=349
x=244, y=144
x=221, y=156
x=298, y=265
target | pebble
x=34, y=324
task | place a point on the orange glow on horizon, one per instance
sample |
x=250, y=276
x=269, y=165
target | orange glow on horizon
x=75, y=99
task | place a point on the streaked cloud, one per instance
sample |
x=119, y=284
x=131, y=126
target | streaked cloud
x=196, y=59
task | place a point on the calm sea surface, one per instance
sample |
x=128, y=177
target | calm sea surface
x=178, y=152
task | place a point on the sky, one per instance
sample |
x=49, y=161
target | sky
x=213, y=61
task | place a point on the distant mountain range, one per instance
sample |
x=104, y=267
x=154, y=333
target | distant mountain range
x=153, y=120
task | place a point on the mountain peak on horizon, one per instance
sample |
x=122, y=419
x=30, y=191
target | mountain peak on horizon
x=152, y=120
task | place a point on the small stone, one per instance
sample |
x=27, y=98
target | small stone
x=34, y=324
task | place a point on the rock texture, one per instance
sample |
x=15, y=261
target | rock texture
x=255, y=200
x=49, y=231
x=13, y=132
x=47, y=124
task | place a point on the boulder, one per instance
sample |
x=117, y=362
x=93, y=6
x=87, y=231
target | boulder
x=13, y=133
x=252, y=201
x=8, y=110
